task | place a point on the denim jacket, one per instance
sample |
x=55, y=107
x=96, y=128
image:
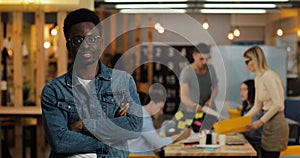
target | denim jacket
x=65, y=101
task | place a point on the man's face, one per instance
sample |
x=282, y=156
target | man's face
x=200, y=59
x=85, y=43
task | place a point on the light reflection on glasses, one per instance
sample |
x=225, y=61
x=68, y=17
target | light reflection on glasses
x=90, y=39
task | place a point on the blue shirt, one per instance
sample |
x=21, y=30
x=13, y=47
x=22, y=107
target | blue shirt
x=253, y=136
x=65, y=101
x=149, y=138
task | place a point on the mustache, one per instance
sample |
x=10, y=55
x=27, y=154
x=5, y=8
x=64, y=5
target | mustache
x=82, y=50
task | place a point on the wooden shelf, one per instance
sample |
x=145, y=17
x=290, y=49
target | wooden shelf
x=20, y=111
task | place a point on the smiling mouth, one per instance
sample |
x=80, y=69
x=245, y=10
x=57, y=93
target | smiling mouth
x=86, y=54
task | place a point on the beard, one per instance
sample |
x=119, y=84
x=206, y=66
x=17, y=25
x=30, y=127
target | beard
x=85, y=57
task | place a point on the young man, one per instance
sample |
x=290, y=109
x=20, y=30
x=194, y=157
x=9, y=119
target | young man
x=91, y=109
x=198, y=85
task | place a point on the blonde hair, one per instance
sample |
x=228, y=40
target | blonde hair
x=256, y=54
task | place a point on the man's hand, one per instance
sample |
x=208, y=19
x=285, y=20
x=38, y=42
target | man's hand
x=199, y=108
x=122, y=111
x=207, y=103
x=182, y=135
x=76, y=126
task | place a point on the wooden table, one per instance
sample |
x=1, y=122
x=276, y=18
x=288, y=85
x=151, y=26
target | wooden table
x=181, y=150
x=18, y=113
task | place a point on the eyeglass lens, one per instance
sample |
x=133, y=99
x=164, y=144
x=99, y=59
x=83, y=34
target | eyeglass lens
x=90, y=39
x=247, y=62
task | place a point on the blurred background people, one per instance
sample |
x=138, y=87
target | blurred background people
x=194, y=98
x=150, y=140
x=247, y=93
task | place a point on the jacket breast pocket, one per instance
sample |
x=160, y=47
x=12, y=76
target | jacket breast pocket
x=69, y=110
x=111, y=101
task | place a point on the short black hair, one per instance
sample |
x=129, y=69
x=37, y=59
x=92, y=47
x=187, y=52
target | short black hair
x=202, y=48
x=78, y=16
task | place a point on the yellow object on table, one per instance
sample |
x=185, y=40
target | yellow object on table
x=233, y=125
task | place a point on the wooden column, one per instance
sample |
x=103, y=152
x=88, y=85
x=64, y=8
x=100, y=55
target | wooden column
x=40, y=55
x=1, y=42
x=101, y=14
x=113, y=38
x=101, y=17
x=150, y=49
x=125, y=30
x=62, y=62
x=17, y=36
x=138, y=47
x=40, y=78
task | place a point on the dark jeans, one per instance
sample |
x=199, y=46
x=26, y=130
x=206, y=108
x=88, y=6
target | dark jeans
x=258, y=150
x=270, y=154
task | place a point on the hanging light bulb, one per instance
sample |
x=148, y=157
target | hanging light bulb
x=161, y=30
x=236, y=32
x=53, y=31
x=205, y=25
x=279, y=32
x=230, y=36
x=47, y=45
x=157, y=25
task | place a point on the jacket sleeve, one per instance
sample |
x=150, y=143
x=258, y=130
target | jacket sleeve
x=61, y=139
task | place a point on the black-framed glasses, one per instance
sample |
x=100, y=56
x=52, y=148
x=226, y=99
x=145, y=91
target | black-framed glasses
x=90, y=39
x=247, y=61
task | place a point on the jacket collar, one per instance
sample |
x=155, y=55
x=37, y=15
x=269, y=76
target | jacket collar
x=104, y=74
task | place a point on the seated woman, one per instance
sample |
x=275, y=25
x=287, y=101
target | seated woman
x=247, y=93
x=150, y=139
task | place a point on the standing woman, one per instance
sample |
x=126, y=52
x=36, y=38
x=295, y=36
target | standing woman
x=269, y=97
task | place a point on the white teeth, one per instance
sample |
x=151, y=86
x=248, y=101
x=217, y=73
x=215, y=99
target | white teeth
x=87, y=55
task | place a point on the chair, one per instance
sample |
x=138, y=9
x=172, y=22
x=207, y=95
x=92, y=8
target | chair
x=292, y=150
x=233, y=113
x=142, y=156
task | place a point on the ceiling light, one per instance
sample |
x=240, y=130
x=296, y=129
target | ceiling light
x=205, y=25
x=152, y=11
x=157, y=25
x=239, y=5
x=161, y=30
x=230, y=36
x=247, y=0
x=279, y=32
x=53, y=32
x=134, y=6
x=136, y=1
x=47, y=45
x=233, y=11
x=236, y=32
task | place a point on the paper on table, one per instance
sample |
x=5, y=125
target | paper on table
x=233, y=125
